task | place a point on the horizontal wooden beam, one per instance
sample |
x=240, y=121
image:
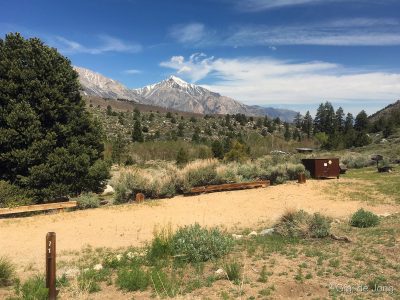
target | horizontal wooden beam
x=229, y=187
x=37, y=207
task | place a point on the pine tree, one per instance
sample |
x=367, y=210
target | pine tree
x=307, y=125
x=361, y=122
x=348, y=123
x=298, y=119
x=287, y=133
x=49, y=144
x=137, y=134
x=339, y=120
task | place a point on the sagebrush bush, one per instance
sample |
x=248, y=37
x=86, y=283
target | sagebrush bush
x=132, y=279
x=33, y=288
x=357, y=160
x=293, y=223
x=199, y=173
x=248, y=171
x=196, y=244
x=88, y=200
x=301, y=224
x=319, y=226
x=11, y=195
x=152, y=182
x=7, y=272
x=363, y=219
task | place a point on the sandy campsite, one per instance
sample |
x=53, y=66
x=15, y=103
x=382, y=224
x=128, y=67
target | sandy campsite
x=132, y=224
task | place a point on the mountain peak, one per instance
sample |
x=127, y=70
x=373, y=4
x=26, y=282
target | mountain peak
x=178, y=80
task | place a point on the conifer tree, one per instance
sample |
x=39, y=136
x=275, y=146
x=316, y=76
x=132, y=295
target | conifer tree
x=137, y=134
x=49, y=144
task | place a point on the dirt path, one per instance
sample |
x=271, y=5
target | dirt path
x=119, y=226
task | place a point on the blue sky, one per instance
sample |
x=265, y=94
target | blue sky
x=283, y=53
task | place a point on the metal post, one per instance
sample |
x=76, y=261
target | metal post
x=51, y=265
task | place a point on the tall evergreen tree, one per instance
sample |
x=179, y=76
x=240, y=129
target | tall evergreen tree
x=298, y=119
x=137, y=134
x=348, y=123
x=49, y=143
x=361, y=122
x=339, y=120
x=287, y=134
x=307, y=125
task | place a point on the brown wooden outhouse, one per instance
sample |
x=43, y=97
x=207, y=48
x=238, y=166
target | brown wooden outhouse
x=322, y=167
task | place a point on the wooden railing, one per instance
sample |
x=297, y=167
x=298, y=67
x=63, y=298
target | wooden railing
x=228, y=187
x=37, y=207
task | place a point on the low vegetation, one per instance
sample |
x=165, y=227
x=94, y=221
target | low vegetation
x=7, y=272
x=364, y=219
x=162, y=179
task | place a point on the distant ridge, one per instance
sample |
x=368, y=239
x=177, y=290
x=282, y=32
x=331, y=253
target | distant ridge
x=385, y=111
x=174, y=93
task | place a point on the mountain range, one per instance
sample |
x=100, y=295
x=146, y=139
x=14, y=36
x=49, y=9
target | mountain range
x=174, y=93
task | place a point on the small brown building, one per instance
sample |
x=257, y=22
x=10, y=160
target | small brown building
x=322, y=167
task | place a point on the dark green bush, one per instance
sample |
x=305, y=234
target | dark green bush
x=196, y=244
x=362, y=219
x=133, y=279
x=7, y=272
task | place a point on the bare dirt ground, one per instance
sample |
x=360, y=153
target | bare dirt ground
x=23, y=239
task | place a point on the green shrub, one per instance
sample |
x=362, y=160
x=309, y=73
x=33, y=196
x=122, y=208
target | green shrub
x=362, y=219
x=88, y=200
x=319, y=226
x=293, y=170
x=161, y=246
x=357, y=161
x=203, y=175
x=7, y=272
x=195, y=244
x=88, y=280
x=32, y=289
x=11, y=195
x=163, y=284
x=233, y=271
x=248, y=171
x=133, y=279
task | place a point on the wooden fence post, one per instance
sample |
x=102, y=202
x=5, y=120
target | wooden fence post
x=51, y=265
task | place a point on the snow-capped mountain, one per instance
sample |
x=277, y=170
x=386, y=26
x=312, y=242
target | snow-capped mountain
x=95, y=84
x=174, y=93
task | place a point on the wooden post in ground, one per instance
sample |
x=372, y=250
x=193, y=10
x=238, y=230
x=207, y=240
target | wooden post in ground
x=301, y=178
x=51, y=265
x=139, y=197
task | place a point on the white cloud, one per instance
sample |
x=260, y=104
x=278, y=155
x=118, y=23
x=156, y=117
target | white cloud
x=188, y=33
x=338, y=32
x=107, y=44
x=132, y=71
x=197, y=67
x=258, y=5
x=264, y=80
